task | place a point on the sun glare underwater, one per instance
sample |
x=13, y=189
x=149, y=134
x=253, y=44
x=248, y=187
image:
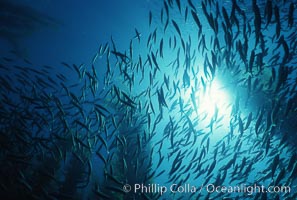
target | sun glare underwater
x=181, y=99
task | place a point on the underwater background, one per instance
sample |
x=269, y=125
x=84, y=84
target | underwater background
x=148, y=99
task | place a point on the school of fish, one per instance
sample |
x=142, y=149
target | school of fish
x=140, y=115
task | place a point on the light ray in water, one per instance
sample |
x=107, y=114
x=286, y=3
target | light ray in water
x=215, y=98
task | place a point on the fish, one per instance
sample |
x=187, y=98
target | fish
x=251, y=61
x=211, y=167
x=178, y=5
x=175, y=167
x=176, y=28
x=138, y=35
x=278, y=22
x=161, y=98
x=186, y=14
x=259, y=120
x=155, y=61
x=280, y=176
x=226, y=17
x=268, y=12
x=123, y=56
x=161, y=48
x=197, y=21
x=186, y=79
x=241, y=126
x=191, y=5
x=291, y=15
x=291, y=162
x=257, y=21
x=294, y=172
x=274, y=164
x=249, y=120
x=150, y=18
x=166, y=81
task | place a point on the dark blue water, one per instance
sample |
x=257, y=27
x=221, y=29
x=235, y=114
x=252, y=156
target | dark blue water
x=148, y=99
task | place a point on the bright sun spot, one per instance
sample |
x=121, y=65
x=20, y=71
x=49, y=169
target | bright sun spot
x=213, y=104
x=214, y=101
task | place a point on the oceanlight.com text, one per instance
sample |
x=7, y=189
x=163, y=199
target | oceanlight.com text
x=248, y=189
x=209, y=188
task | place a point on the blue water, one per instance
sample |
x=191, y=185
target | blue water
x=198, y=136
